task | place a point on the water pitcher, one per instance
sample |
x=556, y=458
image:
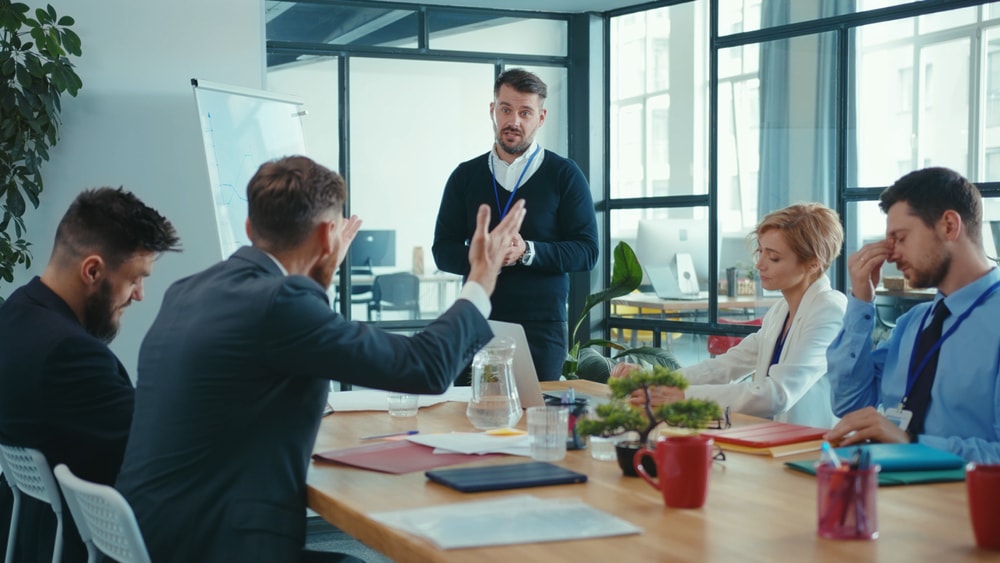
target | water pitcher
x=494, y=402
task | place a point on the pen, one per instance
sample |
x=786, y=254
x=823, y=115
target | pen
x=828, y=456
x=390, y=435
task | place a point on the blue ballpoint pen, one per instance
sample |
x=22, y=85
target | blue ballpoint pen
x=390, y=435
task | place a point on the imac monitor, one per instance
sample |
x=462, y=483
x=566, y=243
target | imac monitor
x=681, y=244
x=373, y=249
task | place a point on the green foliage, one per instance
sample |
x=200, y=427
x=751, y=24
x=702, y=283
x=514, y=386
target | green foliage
x=618, y=416
x=625, y=278
x=34, y=72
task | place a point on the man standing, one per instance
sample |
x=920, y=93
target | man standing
x=234, y=372
x=935, y=381
x=62, y=390
x=559, y=237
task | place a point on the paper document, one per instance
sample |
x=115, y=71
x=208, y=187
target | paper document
x=375, y=399
x=475, y=443
x=507, y=521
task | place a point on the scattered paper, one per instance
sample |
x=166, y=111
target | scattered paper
x=375, y=399
x=475, y=443
x=507, y=521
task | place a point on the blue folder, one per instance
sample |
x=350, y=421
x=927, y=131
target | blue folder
x=902, y=464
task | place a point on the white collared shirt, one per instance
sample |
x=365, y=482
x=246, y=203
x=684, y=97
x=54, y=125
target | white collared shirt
x=507, y=174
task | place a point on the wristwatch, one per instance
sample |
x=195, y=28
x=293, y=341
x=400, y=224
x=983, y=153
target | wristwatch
x=529, y=253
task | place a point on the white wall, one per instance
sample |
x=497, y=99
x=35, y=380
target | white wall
x=135, y=124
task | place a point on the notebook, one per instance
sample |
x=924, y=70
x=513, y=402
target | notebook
x=508, y=476
x=525, y=376
x=901, y=464
x=666, y=285
x=766, y=434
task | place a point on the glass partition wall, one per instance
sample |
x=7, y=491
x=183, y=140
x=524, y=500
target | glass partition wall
x=397, y=96
x=701, y=115
x=724, y=110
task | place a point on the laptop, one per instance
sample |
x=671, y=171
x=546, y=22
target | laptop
x=525, y=376
x=667, y=285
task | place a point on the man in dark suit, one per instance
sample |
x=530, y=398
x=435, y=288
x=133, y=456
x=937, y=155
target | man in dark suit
x=234, y=372
x=62, y=390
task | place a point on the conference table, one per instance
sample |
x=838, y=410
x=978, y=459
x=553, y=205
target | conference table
x=757, y=510
x=648, y=302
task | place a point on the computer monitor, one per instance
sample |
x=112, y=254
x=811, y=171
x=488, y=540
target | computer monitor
x=373, y=249
x=659, y=242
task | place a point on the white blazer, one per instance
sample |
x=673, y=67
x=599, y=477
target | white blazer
x=793, y=390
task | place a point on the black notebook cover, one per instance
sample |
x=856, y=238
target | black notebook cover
x=508, y=476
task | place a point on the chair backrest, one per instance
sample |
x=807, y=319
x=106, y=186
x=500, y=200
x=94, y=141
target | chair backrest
x=106, y=515
x=718, y=344
x=396, y=292
x=28, y=469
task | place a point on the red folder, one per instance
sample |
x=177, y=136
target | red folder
x=766, y=434
x=397, y=457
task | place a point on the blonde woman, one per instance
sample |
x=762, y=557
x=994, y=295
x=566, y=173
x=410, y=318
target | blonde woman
x=787, y=356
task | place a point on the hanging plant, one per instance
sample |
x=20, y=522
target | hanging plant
x=35, y=70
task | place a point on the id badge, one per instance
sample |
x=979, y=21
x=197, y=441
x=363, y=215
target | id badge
x=900, y=417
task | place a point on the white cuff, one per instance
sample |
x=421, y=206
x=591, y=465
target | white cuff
x=475, y=293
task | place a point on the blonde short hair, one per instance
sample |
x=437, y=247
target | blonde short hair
x=811, y=229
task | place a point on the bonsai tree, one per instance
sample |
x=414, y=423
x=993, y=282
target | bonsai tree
x=34, y=72
x=625, y=278
x=618, y=416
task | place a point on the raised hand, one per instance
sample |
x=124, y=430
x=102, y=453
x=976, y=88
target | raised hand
x=488, y=249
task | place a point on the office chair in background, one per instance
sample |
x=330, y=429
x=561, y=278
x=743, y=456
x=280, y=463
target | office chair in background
x=104, y=518
x=28, y=472
x=395, y=292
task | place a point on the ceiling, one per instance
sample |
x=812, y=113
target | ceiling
x=378, y=23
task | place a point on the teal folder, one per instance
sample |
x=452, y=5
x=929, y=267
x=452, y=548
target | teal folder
x=902, y=464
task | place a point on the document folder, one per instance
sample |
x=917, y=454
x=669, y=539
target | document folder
x=766, y=434
x=508, y=476
x=902, y=464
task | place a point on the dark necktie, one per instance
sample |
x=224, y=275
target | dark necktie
x=919, y=399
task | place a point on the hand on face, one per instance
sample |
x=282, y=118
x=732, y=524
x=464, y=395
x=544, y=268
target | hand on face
x=865, y=424
x=865, y=267
x=489, y=249
x=351, y=225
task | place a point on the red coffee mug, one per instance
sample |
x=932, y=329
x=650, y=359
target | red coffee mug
x=983, y=485
x=683, y=464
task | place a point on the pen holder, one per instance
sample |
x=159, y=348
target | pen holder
x=845, y=502
x=577, y=410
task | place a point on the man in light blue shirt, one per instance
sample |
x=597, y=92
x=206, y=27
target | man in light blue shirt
x=934, y=237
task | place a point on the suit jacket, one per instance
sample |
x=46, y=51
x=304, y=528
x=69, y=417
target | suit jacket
x=792, y=390
x=233, y=378
x=63, y=392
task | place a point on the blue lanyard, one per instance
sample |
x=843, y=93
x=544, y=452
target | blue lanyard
x=496, y=192
x=781, y=341
x=911, y=377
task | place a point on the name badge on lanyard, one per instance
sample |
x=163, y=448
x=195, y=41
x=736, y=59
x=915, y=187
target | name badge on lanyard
x=899, y=416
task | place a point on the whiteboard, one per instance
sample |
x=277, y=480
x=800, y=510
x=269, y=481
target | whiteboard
x=242, y=129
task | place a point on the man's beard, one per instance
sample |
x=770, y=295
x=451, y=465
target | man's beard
x=513, y=150
x=932, y=277
x=98, y=314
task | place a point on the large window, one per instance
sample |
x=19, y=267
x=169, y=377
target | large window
x=791, y=116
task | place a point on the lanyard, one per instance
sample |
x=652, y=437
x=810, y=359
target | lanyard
x=911, y=377
x=496, y=193
x=780, y=345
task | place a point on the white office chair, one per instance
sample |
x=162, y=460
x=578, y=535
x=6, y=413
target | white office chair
x=28, y=472
x=104, y=518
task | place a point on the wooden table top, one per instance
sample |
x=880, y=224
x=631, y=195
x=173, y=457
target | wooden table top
x=757, y=510
x=651, y=301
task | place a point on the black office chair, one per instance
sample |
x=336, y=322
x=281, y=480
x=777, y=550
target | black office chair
x=395, y=292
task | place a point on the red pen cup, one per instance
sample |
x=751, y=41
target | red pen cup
x=983, y=485
x=845, y=502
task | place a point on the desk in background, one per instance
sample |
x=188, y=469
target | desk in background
x=441, y=281
x=756, y=509
x=649, y=301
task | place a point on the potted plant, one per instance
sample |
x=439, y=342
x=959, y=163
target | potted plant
x=582, y=360
x=618, y=416
x=34, y=72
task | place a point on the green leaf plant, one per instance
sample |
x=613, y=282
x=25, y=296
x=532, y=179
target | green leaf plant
x=35, y=71
x=625, y=278
x=619, y=416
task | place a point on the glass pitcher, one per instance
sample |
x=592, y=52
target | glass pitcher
x=494, y=402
